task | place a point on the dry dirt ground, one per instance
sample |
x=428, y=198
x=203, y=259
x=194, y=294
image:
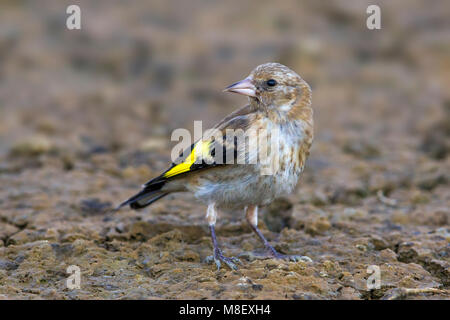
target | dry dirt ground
x=86, y=117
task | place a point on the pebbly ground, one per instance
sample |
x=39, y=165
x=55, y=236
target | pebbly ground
x=86, y=117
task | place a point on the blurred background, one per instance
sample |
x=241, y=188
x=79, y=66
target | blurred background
x=86, y=117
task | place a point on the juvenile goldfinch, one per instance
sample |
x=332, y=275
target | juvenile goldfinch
x=279, y=106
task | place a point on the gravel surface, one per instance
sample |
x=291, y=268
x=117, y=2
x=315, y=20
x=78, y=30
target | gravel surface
x=86, y=118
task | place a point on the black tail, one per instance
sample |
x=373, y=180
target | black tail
x=146, y=197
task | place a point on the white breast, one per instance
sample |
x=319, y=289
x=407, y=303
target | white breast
x=259, y=184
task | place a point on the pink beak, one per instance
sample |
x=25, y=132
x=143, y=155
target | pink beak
x=244, y=87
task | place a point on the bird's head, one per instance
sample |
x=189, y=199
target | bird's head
x=275, y=87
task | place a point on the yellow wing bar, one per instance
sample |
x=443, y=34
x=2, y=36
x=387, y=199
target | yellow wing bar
x=200, y=150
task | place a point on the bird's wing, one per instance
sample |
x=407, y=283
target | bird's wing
x=212, y=150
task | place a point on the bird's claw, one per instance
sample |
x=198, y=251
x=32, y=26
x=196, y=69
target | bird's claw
x=218, y=257
x=293, y=257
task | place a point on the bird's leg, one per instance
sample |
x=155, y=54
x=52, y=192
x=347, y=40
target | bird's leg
x=211, y=216
x=251, y=214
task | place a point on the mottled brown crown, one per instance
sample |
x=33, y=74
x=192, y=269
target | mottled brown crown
x=289, y=99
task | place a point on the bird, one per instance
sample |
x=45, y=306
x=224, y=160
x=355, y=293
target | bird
x=223, y=172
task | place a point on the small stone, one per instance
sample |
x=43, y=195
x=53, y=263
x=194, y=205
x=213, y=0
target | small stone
x=317, y=226
x=440, y=268
x=352, y=213
x=406, y=252
x=378, y=242
x=349, y=293
x=419, y=197
x=32, y=146
x=23, y=236
x=414, y=252
x=51, y=234
x=399, y=217
x=361, y=247
x=6, y=230
x=444, y=232
x=153, y=144
x=388, y=255
x=188, y=255
x=94, y=206
x=8, y=265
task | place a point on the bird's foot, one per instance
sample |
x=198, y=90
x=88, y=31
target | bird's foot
x=218, y=257
x=271, y=250
x=269, y=254
x=288, y=257
x=292, y=257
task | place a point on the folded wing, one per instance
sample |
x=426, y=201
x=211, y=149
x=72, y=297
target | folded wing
x=214, y=150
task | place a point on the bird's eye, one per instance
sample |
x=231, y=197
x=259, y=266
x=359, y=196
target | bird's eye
x=271, y=83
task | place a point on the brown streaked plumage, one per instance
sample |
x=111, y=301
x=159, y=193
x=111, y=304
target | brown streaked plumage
x=279, y=110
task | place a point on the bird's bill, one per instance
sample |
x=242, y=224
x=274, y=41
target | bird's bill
x=245, y=87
